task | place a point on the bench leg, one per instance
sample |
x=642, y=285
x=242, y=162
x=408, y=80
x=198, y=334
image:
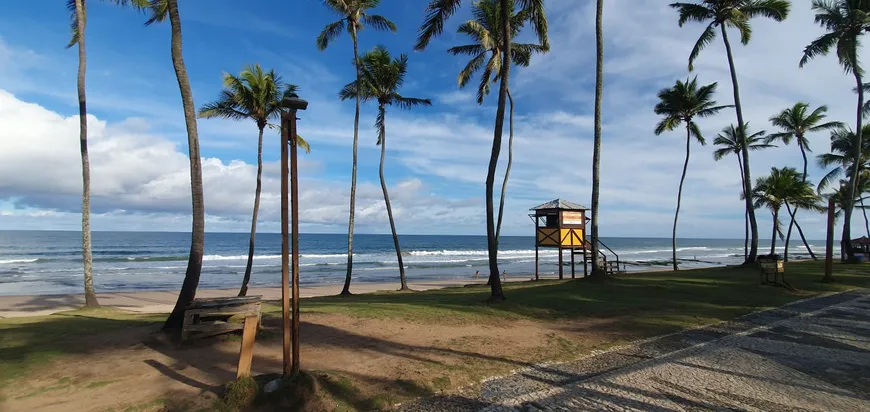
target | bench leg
x=246, y=353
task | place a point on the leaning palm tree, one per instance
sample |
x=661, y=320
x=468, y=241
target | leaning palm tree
x=354, y=17
x=77, y=18
x=381, y=77
x=730, y=141
x=795, y=123
x=679, y=105
x=845, y=21
x=783, y=187
x=160, y=11
x=437, y=14
x=485, y=30
x=737, y=14
x=252, y=95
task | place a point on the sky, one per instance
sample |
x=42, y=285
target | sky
x=436, y=156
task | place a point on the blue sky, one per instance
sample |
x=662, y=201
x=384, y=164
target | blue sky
x=436, y=156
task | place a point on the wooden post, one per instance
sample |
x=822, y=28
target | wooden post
x=246, y=353
x=829, y=242
x=560, y=263
x=285, y=253
x=572, y=263
x=294, y=202
x=585, y=263
x=537, y=275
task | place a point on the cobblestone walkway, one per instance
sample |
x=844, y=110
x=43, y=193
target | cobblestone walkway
x=812, y=355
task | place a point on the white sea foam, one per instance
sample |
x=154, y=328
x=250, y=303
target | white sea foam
x=11, y=261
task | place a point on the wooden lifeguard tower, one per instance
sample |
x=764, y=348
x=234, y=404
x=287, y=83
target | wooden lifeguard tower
x=561, y=224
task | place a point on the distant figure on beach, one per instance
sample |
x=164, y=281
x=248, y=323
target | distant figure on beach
x=477, y=274
x=504, y=275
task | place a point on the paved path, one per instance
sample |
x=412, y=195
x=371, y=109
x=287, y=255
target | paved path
x=812, y=355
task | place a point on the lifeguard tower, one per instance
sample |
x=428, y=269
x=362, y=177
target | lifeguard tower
x=561, y=224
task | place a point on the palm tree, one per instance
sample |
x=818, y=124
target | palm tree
x=159, y=11
x=681, y=104
x=354, y=17
x=485, y=29
x=737, y=14
x=77, y=18
x=845, y=21
x=842, y=147
x=255, y=95
x=437, y=14
x=783, y=187
x=381, y=78
x=596, y=139
x=729, y=141
x=795, y=122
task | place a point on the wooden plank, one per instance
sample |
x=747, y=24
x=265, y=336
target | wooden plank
x=214, y=326
x=248, y=308
x=246, y=353
x=211, y=302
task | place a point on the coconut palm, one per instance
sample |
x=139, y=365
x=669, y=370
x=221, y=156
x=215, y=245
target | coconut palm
x=783, y=187
x=252, y=95
x=437, y=14
x=737, y=14
x=841, y=157
x=381, y=77
x=680, y=105
x=795, y=123
x=77, y=22
x=159, y=11
x=845, y=22
x=354, y=17
x=596, y=131
x=485, y=30
x=729, y=141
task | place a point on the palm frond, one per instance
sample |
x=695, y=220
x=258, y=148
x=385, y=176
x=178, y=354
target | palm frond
x=379, y=22
x=437, y=13
x=707, y=37
x=472, y=66
x=330, y=33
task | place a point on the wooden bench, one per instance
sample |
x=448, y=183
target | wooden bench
x=209, y=317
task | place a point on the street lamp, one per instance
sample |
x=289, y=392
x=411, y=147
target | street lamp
x=289, y=139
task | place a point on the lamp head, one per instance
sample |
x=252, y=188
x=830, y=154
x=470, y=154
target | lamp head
x=294, y=103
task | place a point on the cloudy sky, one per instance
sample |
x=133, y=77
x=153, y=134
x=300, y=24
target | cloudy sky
x=437, y=157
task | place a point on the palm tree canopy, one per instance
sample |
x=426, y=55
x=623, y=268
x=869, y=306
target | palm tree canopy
x=682, y=103
x=783, y=186
x=731, y=13
x=486, y=31
x=352, y=13
x=795, y=122
x=438, y=11
x=254, y=94
x=381, y=77
x=845, y=21
x=842, y=154
x=729, y=141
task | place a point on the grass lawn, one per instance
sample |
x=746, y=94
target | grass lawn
x=635, y=306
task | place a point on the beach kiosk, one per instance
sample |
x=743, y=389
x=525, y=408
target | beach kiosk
x=561, y=224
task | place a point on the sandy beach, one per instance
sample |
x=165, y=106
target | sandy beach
x=163, y=301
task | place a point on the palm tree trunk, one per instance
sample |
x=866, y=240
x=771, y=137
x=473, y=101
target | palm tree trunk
x=794, y=213
x=347, y=277
x=680, y=195
x=596, y=144
x=773, y=236
x=250, y=264
x=745, y=215
x=497, y=293
x=87, y=257
x=849, y=202
x=747, y=179
x=866, y=222
x=801, y=232
x=383, y=139
x=194, y=262
x=507, y=171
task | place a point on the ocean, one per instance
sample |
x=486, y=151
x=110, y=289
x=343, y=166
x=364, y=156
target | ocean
x=49, y=262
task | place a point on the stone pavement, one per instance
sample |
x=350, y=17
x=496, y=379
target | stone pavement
x=812, y=355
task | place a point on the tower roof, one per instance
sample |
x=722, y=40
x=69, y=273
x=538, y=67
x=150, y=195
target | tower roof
x=561, y=205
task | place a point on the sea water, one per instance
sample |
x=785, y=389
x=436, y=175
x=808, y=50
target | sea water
x=49, y=262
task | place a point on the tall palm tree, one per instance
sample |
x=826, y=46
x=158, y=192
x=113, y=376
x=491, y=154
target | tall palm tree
x=381, y=78
x=730, y=141
x=77, y=17
x=159, y=11
x=845, y=21
x=679, y=105
x=736, y=14
x=841, y=157
x=795, y=122
x=437, y=14
x=354, y=17
x=596, y=132
x=485, y=30
x=252, y=95
x=783, y=187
